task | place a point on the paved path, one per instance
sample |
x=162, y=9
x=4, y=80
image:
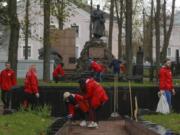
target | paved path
x=105, y=128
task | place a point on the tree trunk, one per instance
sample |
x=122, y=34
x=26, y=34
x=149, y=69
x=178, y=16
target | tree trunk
x=151, y=41
x=120, y=23
x=129, y=36
x=26, y=29
x=157, y=27
x=47, y=47
x=14, y=35
x=167, y=34
x=90, y=25
x=111, y=25
x=61, y=7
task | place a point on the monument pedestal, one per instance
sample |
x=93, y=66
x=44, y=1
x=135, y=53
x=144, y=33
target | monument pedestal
x=97, y=50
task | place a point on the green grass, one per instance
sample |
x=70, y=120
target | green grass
x=41, y=83
x=170, y=121
x=25, y=123
x=106, y=84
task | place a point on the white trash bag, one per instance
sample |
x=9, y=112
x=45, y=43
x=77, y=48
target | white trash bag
x=163, y=106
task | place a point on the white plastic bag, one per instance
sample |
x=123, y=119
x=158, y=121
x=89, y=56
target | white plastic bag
x=163, y=106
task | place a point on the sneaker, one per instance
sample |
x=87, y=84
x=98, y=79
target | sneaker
x=93, y=125
x=83, y=123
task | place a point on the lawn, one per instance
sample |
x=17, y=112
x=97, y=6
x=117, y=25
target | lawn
x=25, y=123
x=75, y=83
x=170, y=121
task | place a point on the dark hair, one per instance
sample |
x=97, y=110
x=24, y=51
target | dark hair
x=166, y=60
x=82, y=81
x=82, y=84
x=7, y=62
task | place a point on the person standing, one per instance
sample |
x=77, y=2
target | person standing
x=97, y=70
x=96, y=96
x=166, y=81
x=31, y=90
x=7, y=82
x=116, y=66
x=58, y=73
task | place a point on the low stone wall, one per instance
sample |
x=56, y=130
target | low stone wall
x=147, y=98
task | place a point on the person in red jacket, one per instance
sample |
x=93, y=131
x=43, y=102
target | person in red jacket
x=58, y=72
x=31, y=87
x=97, y=70
x=165, y=81
x=7, y=82
x=96, y=96
x=77, y=106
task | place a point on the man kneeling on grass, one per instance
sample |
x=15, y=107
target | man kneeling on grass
x=77, y=107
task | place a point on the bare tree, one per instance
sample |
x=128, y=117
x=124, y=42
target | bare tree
x=61, y=8
x=167, y=34
x=58, y=10
x=157, y=28
x=90, y=25
x=111, y=25
x=14, y=36
x=26, y=29
x=151, y=40
x=129, y=36
x=47, y=47
x=119, y=14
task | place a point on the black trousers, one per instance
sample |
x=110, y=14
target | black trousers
x=6, y=98
x=80, y=115
x=31, y=99
x=58, y=78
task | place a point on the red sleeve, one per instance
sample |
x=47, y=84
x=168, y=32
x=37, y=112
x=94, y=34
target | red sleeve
x=14, y=81
x=71, y=109
x=162, y=79
x=60, y=70
x=34, y=83
x=78, y=97
x=89, y=90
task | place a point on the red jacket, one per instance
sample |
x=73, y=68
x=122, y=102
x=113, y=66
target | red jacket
x=58, y=70
x=82, y=104
x=31, y=83
x=96, y=67
x=7, y=79
x=165, y=79
x=95, y=93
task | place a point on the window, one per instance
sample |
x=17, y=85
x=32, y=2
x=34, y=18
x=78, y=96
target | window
x=76, y=28
x=169, y=52
x=29, y=51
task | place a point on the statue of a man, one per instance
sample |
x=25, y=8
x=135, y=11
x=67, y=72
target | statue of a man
x=98, y=23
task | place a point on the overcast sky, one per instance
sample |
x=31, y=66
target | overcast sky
x=169, y=3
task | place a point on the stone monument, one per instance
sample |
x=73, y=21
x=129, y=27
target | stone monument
x=96, y=48
x=98, y=21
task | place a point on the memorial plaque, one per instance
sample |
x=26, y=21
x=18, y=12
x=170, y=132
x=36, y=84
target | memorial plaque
x=96, y=52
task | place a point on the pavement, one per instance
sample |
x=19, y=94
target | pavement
x=105, y=128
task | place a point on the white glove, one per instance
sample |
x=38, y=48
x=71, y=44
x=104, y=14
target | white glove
x=37, y=95
x=69, y=116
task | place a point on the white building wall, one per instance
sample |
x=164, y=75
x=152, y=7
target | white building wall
x=35, y=40
x=77, y=16
x=174, y=43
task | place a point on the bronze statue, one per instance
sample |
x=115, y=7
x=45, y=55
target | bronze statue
x=98, y=23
